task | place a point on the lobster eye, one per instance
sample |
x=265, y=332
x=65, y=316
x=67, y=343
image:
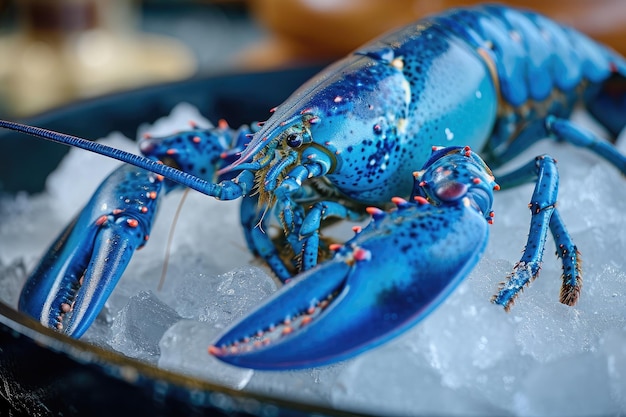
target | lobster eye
x=294, y=140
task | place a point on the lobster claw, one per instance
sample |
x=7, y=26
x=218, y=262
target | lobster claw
x=75, y=277
x=380, y=283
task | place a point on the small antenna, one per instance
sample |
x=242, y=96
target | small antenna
x=170, y=238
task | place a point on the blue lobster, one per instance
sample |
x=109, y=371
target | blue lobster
x=365, y=133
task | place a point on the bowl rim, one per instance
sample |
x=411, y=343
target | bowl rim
x=132, y=370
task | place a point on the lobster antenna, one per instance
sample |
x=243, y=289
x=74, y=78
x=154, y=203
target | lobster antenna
x=168, y=172
x=170, y=238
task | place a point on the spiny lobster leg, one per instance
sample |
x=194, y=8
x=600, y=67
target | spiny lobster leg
x=543, y=208
x=72, y=282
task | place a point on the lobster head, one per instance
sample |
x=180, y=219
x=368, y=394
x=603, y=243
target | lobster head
x=328, y=122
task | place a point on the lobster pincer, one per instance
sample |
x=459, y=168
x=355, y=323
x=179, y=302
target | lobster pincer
x=72, y=282
x=77, y=274
x=389, y=276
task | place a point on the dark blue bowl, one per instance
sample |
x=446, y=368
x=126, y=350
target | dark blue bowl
x=46, y=373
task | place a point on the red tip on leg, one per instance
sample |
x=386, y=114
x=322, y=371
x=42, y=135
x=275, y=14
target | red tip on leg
x=420, y=200
x=398, y=201
x=375, y=212
x=335, y=246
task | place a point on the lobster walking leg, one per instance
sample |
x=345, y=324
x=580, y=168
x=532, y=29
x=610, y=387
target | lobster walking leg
x=570, y=257
x=255, y=223
x=566, y=131
x=543, y=208
x=310, y=230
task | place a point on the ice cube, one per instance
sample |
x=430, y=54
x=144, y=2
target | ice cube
x=613, y=346
x=99, y=333
x=220, y=299
x=572, y=385
x=138, y=327
x=29, y=224
x=12, y=277
x=184, y=349
x=392, y=380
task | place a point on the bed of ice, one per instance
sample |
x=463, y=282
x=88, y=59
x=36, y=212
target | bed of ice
x=467, y=358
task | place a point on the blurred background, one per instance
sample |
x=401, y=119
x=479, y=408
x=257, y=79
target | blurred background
x=53, y=52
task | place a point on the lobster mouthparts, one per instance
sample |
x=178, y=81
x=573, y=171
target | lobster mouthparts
x=383, y=281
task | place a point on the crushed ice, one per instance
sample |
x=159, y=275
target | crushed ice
x=467, y=358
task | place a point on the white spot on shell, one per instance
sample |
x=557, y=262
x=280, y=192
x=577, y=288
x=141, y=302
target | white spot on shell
x=449, y=134
x=479, y=94
x=397, y=63
x=402, y=125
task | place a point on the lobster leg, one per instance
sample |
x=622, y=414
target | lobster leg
x=567, y=251
x=288, y=206
x=544, y=217
x=72, y=282
x=567, y=131
x=255, y=226
x=310, y=230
